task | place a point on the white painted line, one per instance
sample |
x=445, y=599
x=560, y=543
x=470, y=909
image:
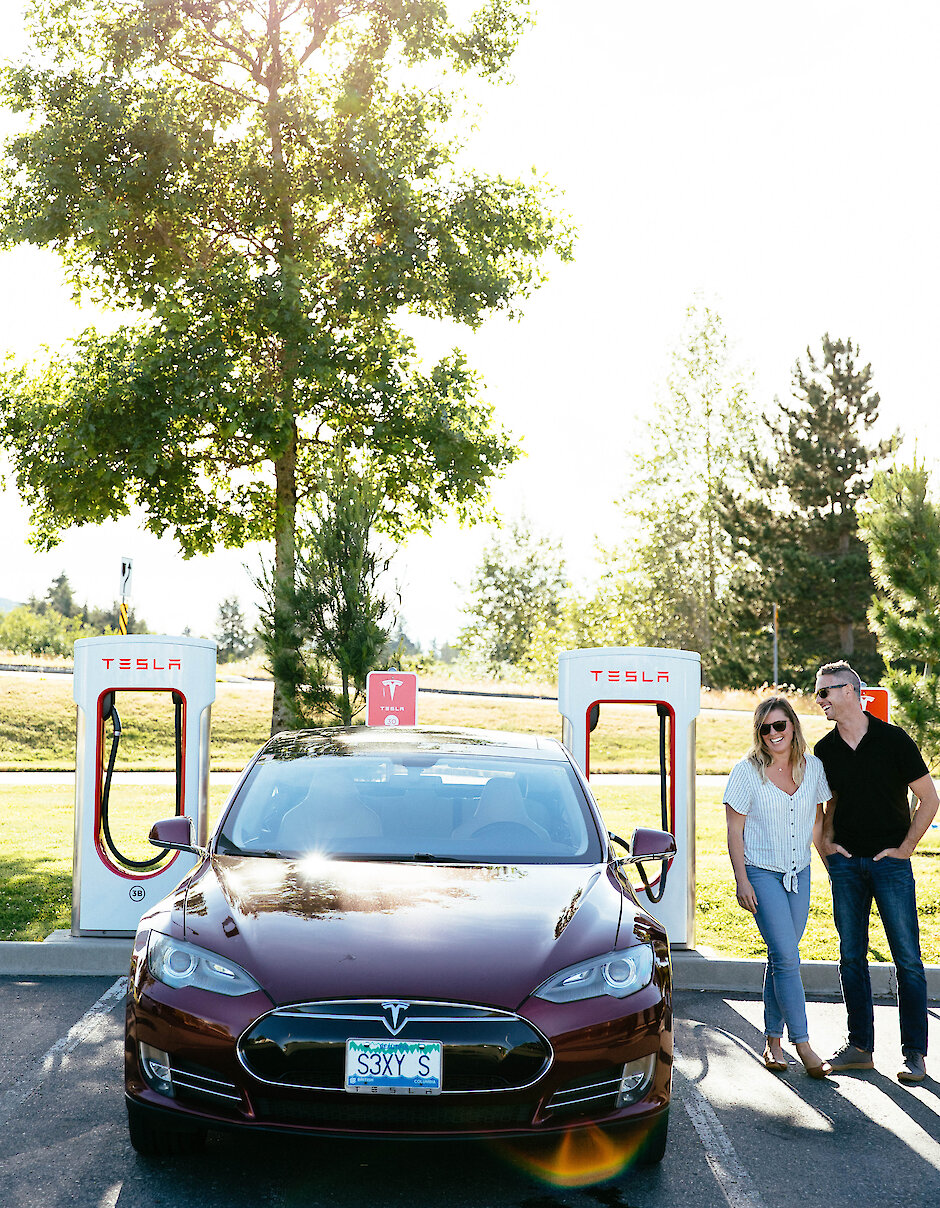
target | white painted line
x=736, y=1184
x=86, y=1030
x=111, y=1196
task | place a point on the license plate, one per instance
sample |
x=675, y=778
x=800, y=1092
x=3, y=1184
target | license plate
x=393, y=1067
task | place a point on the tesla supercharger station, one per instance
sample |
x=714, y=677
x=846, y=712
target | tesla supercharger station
x=110, y=890
x=669, y=680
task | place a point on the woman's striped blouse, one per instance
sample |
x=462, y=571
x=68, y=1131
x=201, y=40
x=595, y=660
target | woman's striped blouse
x=779, y=827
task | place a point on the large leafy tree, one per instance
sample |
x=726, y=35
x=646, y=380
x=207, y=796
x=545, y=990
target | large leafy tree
x=901, y=526
x=266, y=186
x=795, y=530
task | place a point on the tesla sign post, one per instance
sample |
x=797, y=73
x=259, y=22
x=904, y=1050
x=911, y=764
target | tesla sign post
x=391, y=698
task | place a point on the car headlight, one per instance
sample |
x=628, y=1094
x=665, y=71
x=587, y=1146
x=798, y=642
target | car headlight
x=616, y=974
x=177, y=963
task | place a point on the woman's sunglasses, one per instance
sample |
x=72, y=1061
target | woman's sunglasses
x=779, y=726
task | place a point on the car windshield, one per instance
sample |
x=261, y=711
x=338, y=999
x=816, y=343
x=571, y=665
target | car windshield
x=413, y=806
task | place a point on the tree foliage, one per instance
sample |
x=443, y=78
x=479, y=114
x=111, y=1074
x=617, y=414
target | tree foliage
x=795, y=529
x=267, y=189
x=328, y=623
x=696, y=441
x=233, y=638
x=51, y=625
x=517, y=589
x=901, y=526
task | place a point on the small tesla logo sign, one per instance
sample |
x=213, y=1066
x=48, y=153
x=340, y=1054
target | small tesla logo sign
x=390, y=685
x=391, y=698
x=875, y=700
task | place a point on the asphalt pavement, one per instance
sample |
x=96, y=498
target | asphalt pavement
x=740, y=1136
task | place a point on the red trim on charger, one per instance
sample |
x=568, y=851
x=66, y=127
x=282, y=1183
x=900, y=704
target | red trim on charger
x=130, y=874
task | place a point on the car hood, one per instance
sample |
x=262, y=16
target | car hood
x=338, y=929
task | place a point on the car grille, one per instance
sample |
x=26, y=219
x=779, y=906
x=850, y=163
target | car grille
x=594, y=1095
x=304, y=1045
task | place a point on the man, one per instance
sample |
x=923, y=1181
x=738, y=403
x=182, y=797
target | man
x=866, y=840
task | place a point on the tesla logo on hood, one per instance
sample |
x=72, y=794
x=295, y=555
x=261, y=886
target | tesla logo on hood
x=395, y=1015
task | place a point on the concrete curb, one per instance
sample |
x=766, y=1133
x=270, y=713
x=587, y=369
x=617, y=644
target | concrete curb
x=64, y=955
x=701, y=971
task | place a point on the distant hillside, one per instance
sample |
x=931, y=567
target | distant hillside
x=6, y=605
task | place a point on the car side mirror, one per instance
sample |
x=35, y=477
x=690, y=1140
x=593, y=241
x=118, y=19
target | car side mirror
x=648, y=844
x=174, y=833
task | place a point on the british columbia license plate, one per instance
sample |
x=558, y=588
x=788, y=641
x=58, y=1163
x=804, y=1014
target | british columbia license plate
x=394, y=1067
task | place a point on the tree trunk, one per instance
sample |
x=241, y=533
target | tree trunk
x=285, y=469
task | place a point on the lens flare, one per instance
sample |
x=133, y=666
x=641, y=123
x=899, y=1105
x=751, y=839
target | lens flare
x=577, y=1158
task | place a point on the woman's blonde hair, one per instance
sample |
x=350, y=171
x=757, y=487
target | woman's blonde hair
x=760, y=757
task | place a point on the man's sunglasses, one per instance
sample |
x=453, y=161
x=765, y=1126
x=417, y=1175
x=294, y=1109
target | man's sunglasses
x=822, y=693
x=779, y=726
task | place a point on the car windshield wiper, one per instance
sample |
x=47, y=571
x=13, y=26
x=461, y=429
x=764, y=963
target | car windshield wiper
x=227, y=848
x=427, y=857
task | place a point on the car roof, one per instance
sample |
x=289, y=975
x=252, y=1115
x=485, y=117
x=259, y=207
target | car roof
x=371, y=740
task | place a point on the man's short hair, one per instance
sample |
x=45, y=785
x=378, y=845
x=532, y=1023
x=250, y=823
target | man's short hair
x=842, y=668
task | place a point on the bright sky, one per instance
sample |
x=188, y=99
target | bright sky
x=780, y=160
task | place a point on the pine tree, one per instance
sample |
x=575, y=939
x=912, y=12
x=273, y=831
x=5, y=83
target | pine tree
x=796, y=531
x=901, y=526
x=232, y=634
x=329, y=621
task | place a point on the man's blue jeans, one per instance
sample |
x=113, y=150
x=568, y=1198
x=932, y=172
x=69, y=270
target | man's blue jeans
x=856, y=882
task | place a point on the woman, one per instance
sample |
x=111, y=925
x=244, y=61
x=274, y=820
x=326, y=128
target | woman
x=773, y=800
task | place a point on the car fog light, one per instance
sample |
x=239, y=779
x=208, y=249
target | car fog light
x=155, y=1065
x=636, y=1078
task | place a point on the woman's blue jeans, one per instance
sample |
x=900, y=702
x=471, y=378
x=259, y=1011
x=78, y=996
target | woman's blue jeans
x=856, y=882
x=781, y=919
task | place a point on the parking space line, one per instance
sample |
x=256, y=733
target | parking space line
x=736, y=1184
x=84, y=1030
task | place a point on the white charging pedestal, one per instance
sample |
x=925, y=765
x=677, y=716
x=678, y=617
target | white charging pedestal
x=108, y=895
x=672, y=679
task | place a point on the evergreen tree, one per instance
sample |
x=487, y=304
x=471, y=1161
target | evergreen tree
x=233, y=638
x=328, y=620
x=696, y=443
x=901, y=526
x=795, y=531
x=60, y=596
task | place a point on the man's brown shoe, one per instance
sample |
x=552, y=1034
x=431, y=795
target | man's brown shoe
x=914, y=1068
x=850, y=1058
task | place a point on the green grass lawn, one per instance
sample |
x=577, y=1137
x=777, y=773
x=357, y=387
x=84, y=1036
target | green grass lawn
x=36, y=865
x=37, y=727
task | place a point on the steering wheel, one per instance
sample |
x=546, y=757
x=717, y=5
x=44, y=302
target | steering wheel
x=506, y=832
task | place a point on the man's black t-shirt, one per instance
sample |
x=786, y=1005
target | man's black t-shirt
x=869, y=785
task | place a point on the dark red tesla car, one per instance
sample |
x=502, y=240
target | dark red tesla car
x=402, y=933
